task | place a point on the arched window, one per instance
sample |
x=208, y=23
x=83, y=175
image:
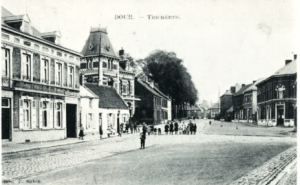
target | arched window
x=104, y=64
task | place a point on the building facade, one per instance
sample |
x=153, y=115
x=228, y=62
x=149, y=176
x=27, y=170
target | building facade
x=240, y=113
x=154, y=107
x=276, y=96
x=213, y=111
x=107, y=75
x=40, y=85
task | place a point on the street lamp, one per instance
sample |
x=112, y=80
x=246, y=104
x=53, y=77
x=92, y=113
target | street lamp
x=118, y=121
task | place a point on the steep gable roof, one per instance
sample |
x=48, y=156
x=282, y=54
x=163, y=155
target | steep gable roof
x=109, y=98
x=253, y=87
x=148, y=87
x=242, y=90
x=85, y=92
x=92, y=45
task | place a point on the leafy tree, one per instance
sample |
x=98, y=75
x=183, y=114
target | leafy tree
x=172, y=78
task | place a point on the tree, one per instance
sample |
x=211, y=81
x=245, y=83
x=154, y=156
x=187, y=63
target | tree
x=172, y=78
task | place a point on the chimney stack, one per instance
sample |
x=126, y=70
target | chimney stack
x=295, y=57
x=254, y=82
x=243, y=85
x=121, y=52
x=288, y=61
x=232, y=89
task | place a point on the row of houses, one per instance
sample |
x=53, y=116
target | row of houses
x=49, y=90
x=267, y=101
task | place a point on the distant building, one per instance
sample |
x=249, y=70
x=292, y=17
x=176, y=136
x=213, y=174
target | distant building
x=40, y=84
x=214, y=110
x=154, y=107
x=277, y=96
x=240, y=113
x=227, y=103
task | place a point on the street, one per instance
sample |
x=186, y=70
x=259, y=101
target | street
x=215, y=155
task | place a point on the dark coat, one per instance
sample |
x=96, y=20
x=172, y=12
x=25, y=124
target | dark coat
x=171, y=127
x=176, y=127
x=167, y=128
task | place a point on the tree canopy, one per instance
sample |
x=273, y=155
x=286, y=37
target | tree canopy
x=171, y=76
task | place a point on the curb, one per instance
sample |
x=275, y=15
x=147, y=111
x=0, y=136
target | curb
x=284, y=173
x=51, y=146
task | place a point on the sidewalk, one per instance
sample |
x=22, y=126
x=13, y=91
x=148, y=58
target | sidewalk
x=9, y=147
x=272, y=171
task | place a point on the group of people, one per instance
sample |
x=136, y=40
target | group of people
x=190, y=128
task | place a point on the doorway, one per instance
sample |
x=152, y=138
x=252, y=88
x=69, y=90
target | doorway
x=71, y=120
x=5, y=118
x=280, y=115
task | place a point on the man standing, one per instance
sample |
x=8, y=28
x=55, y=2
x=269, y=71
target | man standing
x=143, y=136
x=100, y=131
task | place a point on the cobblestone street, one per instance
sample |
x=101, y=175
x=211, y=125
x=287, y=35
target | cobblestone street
x=37, y=164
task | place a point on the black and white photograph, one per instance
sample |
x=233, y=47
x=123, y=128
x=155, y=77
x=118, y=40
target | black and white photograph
x=117, y=92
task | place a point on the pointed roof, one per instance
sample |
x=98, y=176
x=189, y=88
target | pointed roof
x=242, y=90
x=92, y=45
x=86, y=93
x=109, y=98
x=227, y=93
x=253, y=87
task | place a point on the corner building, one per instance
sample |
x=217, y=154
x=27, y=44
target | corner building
x=40, y=85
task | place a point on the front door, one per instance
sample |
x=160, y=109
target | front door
x=5, y=118
x=280, y=115
x=71, y=120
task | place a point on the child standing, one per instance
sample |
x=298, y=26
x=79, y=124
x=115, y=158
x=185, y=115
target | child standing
x=81, y=133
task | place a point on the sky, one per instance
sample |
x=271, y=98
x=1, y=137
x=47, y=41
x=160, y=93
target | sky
x=222, y=42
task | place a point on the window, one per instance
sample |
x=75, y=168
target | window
x=26, y=114
x=100, y=119
x=83, y=66
x=91, y=103
x=5, y=103
x=89, y=120
x=95, y=64
x=109, y=64
x=71, y=76
x=27, y=67
x=104, y=65
x=45, y=77
x=115, y=66
x=44, y=114
x=58, y=114
x=5, y=62
x=58, y=73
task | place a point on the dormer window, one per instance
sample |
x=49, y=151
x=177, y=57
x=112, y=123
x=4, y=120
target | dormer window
x=20, y=22
x=52, y=37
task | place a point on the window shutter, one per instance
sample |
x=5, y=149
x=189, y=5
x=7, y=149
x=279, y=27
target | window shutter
x=55, y=114
x=34, y=122
x=87, y=121
x=56, y=77
x=64, y=115
x=114, y=121
x=51, y=115
x=42, y=69
x=21, y=121
x=41, y=115
x=129, y=87
x=107, y=121
x=23, y=61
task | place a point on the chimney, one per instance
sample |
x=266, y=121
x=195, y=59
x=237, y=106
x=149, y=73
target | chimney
x=288, y=61
x=82, y=80
x=254, y=82
x=232, y=89
x=121, y=52
x=243, y=85
x=295, y=57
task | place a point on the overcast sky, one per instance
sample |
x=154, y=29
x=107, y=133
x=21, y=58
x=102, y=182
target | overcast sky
x=222, y=42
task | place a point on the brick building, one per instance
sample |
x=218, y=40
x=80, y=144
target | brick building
x=239, y=111
x=226, y=101
x=40, y=85
x=277, y=95
x=213, y=111
x=154, y=107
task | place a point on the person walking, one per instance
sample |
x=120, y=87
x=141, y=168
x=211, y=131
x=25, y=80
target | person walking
x=171, y=128
x=81, y=132
x=100, y=131
x=188, y=129
x=143, y=139
x=127, y=127
x=195, y=128
x=176, y=128
x=166, y=129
